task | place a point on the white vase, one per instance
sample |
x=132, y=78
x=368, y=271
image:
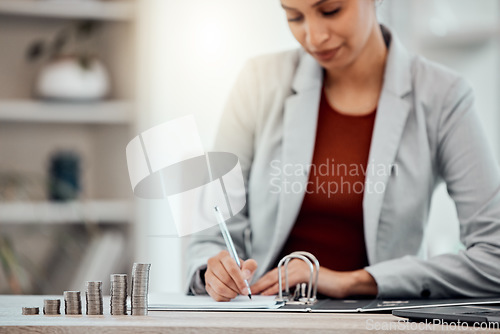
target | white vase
x=65, y=78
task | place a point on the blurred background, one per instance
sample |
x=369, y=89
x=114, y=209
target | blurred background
x=67, y=212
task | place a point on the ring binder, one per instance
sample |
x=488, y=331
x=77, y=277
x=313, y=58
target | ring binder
x=312, y=287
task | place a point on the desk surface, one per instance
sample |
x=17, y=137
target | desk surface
x=12, y=321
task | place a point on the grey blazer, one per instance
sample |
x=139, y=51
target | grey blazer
x=426, y=131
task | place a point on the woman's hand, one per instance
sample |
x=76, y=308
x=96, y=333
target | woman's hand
x=335, y=284
x=224, y=280
x=298, y=272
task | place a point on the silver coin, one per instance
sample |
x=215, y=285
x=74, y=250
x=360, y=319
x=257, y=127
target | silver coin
x=136, y=301
x=140, y=304
x=139, y=276
x=139, y=311
x=31, y=310
x=140, y=284
x=118, y=292
x=72, y=303
x=139, y=295
x=52, y=306
x=139, y=301
x=118, y=311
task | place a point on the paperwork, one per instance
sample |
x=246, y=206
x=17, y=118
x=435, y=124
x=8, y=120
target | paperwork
x=168, y=301
x=180, y=302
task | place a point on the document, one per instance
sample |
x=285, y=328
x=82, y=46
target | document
x=169, y=301
x=259, y=303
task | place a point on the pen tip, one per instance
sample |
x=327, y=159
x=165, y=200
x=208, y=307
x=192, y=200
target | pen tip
x=250, y=296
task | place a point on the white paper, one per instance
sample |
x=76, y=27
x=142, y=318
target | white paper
x=169, y=301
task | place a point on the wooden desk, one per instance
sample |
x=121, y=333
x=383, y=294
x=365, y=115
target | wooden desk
x=12, y=321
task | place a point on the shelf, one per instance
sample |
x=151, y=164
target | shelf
x=112, y=211
x=106, y=112
x=70, y=9
x=463, y=38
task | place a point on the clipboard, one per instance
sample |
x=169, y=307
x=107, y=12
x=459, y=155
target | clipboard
x=304, y=299
x=383, y=306
x=308, y=302
x=181, y=302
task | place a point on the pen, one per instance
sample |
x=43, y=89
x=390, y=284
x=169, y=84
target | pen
x=229, y=243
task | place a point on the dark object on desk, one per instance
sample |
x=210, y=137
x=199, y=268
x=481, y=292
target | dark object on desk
x=383, y=306
x=64, y=176
x=455, y=314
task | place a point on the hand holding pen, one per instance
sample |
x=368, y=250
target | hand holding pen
x=224, y=279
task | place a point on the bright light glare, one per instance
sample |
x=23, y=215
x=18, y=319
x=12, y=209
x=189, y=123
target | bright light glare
x=211, y=39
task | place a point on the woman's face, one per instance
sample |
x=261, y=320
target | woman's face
x=334, y=32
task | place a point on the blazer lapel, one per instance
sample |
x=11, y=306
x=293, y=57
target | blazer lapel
x=392, y=112
x=299, y=135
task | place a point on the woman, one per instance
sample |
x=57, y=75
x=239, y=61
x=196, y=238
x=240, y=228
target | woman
x=397, y=124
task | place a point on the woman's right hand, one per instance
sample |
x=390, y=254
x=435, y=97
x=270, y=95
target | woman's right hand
x=224, y=280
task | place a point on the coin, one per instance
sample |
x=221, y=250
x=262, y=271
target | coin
x=139, y=288
x=72, y=302
x=31, y=310
x=51, y=306
x=118, y=292
x=93, y=297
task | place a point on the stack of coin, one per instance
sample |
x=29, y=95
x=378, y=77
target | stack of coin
x=72, y=302
x=52, y=306
x=31, y=310
x=118, y=294
x=94, y=298
x=139, y=291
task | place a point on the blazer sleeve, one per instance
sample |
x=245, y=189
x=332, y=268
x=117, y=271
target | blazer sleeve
x=472, y=177
x=235, y=135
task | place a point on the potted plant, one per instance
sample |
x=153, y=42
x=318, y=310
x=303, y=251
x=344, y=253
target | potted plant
x=71, y=71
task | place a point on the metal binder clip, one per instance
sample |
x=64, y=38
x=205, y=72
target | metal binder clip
x=312, y=287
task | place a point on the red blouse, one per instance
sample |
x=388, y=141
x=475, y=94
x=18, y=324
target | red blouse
x=330, y=222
